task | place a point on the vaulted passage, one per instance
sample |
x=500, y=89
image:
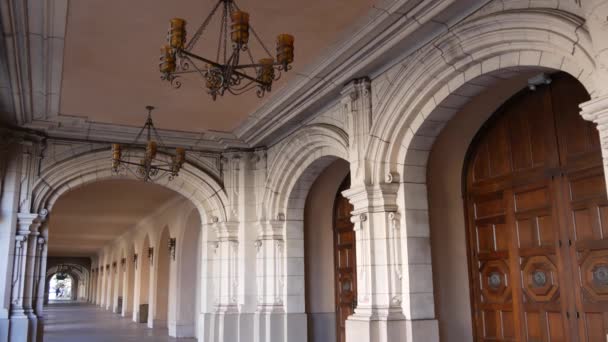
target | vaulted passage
x=78, y=322
x=538, y=221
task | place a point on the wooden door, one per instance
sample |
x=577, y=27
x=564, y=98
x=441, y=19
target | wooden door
x=344, y=260
x=533, y=171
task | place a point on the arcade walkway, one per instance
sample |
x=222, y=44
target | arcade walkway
x=77, y=322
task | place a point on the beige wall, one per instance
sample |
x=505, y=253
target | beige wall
x=319, y=247
x=448, y=235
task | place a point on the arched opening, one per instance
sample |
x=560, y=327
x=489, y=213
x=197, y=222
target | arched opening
x=451, y=248
x=60, y=287
x=160, y=286
x=536, y=206
x=328, y=249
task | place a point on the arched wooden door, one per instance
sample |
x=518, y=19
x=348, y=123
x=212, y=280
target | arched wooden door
x=344, y=261
x=538, y=221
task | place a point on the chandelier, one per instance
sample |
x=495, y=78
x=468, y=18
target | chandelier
x=148, y=168
x=227, y=71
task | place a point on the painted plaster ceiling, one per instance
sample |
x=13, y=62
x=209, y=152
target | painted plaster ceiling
x=111, y=54
x=86, y=219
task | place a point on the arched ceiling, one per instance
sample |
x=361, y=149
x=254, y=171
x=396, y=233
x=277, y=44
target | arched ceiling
x=86, y=219
x=110, y=64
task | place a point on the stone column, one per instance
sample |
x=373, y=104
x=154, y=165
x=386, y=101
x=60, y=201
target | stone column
x=596, y=110
x=23, y=321
x=41, y=292
x=110, y=276
x=100, y=286
x=227, y=310
x=379, y=314
x=270, y=313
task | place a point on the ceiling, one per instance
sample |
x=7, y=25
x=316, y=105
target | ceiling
x=111, y=57
x=86, y=219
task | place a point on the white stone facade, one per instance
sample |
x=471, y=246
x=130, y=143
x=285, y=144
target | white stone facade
x=248, y=205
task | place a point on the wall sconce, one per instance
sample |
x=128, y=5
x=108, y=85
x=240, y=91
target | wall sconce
x=108, y=267
x=172, y=247
x=135, y=260
x=151, y=254
x=123, y=262
x=114, y=267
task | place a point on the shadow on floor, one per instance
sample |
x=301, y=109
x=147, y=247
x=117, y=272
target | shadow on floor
x=77, y=322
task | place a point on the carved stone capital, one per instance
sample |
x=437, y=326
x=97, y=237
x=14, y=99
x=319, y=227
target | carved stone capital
x=355, y=89
x=226, y=231
x=596, y=110
x=271, y=229
x=373, y=198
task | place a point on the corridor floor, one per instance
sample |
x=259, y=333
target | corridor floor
x=77, y=322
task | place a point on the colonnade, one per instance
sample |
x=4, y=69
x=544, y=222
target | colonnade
x=249, y=203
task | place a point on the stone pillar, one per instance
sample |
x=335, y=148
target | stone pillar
x=270, y=313
x=227, y=310
x=596, y=110
x=110, y=276
x=41, y=291
x=379, y=314
x=100, y=286
x=23, y=320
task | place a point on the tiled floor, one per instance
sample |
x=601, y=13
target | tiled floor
x=77, y=322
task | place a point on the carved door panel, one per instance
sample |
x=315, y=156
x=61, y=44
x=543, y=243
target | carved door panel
x=345, y=261
x=537, y=214
x=585, y=215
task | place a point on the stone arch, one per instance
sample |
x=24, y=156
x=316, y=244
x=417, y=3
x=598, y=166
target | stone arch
x=434, y=83
x=526, y=38
x=79, y=274
x=205, y=192
x=293, y=157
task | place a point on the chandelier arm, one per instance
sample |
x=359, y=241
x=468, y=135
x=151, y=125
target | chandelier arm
x=201, y=28
x=259, y=40
x=217, y=65
x=242, y=90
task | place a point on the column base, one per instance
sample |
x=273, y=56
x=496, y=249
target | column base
x=182, y=329
x=278, y=326
x=219, y=327
x=23, y=327
x=4, y=324
x=386, y=329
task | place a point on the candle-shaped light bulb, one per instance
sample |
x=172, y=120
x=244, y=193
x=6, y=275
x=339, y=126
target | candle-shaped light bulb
x=180, y=156
x=285, y=49
x=266, y=71
x=167, y=59
x=116, y=155
x=177, y=33
x=151, y=150
x=240, y=27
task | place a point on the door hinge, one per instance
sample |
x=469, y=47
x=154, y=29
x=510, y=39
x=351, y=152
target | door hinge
x=569, y=242
x=578, y=315
x=567, y=314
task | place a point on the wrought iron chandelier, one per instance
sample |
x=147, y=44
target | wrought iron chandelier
x=225, y=72
x=150, y=167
